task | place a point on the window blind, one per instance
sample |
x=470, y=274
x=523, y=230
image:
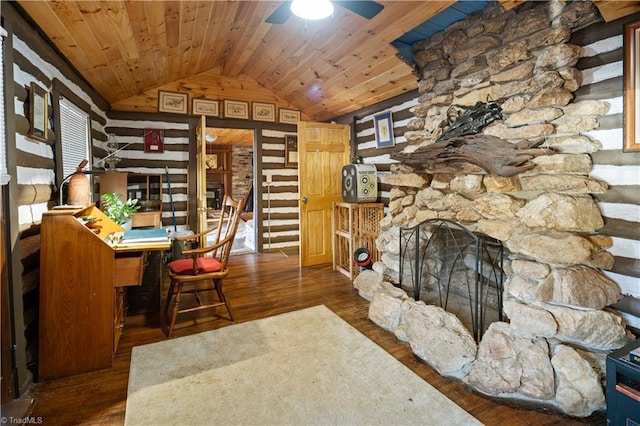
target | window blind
x=4, y=173
x=74, y=136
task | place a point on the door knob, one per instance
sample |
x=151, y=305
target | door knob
x=305, y=200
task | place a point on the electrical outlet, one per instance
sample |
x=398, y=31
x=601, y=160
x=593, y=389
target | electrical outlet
x=269, y=178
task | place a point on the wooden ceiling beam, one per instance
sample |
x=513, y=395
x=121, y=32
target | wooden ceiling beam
x=612, y=10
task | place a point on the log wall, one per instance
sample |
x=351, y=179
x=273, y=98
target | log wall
x=32, y=165
x=602, y=69
x=279, y=186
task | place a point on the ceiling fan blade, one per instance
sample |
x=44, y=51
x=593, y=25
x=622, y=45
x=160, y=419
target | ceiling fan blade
x=281, y=14
x=366, y=9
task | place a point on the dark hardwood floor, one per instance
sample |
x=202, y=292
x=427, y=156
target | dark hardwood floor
x=261, y=285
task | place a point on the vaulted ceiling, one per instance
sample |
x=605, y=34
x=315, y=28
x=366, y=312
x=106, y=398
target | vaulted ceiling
x=128, y=50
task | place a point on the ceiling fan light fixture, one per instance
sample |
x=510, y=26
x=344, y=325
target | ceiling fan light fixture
x=312, y=10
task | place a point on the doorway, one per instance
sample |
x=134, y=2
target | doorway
x=228, y=169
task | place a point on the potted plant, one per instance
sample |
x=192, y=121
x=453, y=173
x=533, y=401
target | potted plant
x=117, y=210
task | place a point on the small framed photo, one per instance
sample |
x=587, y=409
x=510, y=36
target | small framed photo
x=39, y=111
x=631, y=84
x=175, y=102
x=263, y=112
x=154, y=140
x=206, y=107
x=288, y=116
x=236, y=109
x=383, y=124
x=211, y=161
x=291, y=151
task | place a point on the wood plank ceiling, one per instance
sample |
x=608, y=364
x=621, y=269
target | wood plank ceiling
x=128, y=50
x=224, y=50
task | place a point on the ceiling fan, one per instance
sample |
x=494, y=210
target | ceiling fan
x=366, y=9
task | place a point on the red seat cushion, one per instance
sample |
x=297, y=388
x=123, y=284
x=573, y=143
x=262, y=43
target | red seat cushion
x=185, y=266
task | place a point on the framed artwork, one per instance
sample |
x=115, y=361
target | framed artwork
x=288, y=116
x=175, y=102
x=39, y=112
x=383, y=124
x=291, y=151
x=154, y=140
x=206, y=107
x=236, y=109
x=631, y=85
x=263, y=112
x=212, y=161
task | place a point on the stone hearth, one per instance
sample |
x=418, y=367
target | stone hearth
x=551, y=350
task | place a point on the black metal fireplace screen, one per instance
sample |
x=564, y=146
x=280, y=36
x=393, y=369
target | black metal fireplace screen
x=447, y=265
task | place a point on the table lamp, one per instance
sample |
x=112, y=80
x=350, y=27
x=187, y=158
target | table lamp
x=79, y=187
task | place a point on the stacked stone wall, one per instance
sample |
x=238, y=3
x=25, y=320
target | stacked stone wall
x=556, y=293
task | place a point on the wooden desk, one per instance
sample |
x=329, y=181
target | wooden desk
x=82, y=280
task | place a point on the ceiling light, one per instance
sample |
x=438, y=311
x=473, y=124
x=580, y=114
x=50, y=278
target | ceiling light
x=312, y=9
x=210, y=137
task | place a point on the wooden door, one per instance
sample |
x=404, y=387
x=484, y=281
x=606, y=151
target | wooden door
x=201, y=176
x=323, y=150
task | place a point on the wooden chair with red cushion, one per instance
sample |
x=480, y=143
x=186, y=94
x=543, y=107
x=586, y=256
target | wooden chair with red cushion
x=202, y=269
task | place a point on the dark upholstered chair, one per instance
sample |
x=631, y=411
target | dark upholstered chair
x=202, y=269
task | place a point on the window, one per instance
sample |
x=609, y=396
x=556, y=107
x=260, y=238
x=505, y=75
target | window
x=4, y=173
x=75, y=134
x=72, y=126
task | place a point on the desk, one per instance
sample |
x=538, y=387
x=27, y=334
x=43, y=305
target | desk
x=82, y=282
x=144, y=297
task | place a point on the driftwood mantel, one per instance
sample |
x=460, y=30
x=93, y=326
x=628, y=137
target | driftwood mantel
x=493, y=154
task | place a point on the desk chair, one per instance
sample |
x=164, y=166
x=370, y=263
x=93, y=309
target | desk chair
x=202, y=269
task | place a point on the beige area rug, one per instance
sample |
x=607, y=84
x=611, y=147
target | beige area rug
x=299, y=368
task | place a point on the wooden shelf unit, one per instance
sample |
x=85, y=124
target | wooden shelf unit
x=82, y=306
x=143, y=186
x=354, y=226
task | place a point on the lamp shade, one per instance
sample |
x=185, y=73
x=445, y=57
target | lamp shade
x=312, y=9
x=79, y=190
x=78, y=186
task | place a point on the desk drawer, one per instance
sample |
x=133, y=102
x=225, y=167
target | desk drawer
x=146, y=219
x=128, y=269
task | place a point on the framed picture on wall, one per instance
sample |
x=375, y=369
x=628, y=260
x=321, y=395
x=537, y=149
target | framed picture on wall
x=174, y=102
x=383, y=125
x=288, y=116
x=154, y=140
x=263, y=111
x=236, y=109
x=39, y=112
x=206, y=107
x=291, y=151
x=631, y=85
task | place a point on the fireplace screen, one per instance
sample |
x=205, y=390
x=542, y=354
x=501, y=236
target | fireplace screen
x=443, y=263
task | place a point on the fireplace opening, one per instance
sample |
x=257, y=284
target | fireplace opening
x=445, y=264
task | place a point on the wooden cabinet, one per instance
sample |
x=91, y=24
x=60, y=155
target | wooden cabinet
x=355, y=226
x=81, y=298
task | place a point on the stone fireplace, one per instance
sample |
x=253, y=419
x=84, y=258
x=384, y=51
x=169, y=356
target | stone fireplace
x=550, y=349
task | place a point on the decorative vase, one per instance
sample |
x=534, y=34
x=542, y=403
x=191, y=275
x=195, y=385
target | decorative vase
x=128, y=224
